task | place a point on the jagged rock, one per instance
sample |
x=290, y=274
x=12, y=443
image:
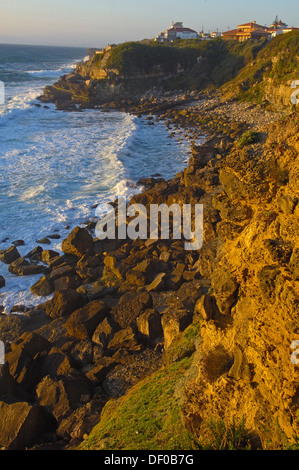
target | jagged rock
x=105, y=331
x=22, y=424
x=64, y=303
x=35, y=254
x=48, y=255
x=205, y=307
x=31, y=342
x=78, y=242
x=174, y=322
x=149, y=324
x=21, y=267
x=95, y=290
x=82, y=353
x=9, y=255
x=55, y=363
x=81, y=421
x=9, y=388
x=158, y=283
x=130, y=306
x=61, y=396
x=125, y=338
x=43, y=287
x=99, y=371
x=225, y=289
x=2, y=282
x=83, y=322
x=136, y=278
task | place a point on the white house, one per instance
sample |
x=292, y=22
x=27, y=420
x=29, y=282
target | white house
x=176, y=31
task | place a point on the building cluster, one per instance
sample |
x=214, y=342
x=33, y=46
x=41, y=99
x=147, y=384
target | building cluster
x=242, y=32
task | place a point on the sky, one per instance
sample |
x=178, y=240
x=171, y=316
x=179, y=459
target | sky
x=96, y=23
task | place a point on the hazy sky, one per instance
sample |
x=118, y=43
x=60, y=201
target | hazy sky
x=100, y=22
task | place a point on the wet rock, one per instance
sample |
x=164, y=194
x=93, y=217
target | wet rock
x=35, y=254
x=43, y=287
x=9, y=255
x=78, y=242
x=44, y=241
x=21, y=267
x=18, y=243
x=2, y=282
x=48, y=255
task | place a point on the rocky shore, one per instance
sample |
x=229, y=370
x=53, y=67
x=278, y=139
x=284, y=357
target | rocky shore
x=118, y=307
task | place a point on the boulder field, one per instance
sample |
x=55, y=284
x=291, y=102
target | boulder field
x=118, y=307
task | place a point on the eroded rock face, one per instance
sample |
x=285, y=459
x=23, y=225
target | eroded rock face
x=245, y=366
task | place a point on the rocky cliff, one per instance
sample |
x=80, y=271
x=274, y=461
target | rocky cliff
x=146, y=345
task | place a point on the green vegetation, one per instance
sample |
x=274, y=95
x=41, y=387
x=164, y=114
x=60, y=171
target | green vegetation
x=277, y=62
x=194, y=63
x=224, y=436
x=147, y=418
x=247, y=138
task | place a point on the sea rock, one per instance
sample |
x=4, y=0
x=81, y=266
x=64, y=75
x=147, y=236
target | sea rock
x=9, y=255
x=2, y=282
x=35, y=254
x=22, y=424
x=64, y=303
x=78, y=242
x=21, y=267
x=83, y=322
x=43, y=287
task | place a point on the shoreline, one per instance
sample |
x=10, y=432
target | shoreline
x=119, y=305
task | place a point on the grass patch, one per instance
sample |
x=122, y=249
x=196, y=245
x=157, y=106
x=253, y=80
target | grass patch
x=223, y=436
x=147, y=418
x=248, y=138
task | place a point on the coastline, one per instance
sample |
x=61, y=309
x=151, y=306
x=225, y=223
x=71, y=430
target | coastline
x=118, y=306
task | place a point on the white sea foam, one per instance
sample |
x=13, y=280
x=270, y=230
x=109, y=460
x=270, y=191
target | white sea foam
x=56, y=166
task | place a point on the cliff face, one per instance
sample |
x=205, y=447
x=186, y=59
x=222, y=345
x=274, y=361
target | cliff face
x=229, y=310
x=244, y=367
x=129, y=70
x=267, y=79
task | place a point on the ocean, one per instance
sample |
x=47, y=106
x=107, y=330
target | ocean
x=56, y=166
